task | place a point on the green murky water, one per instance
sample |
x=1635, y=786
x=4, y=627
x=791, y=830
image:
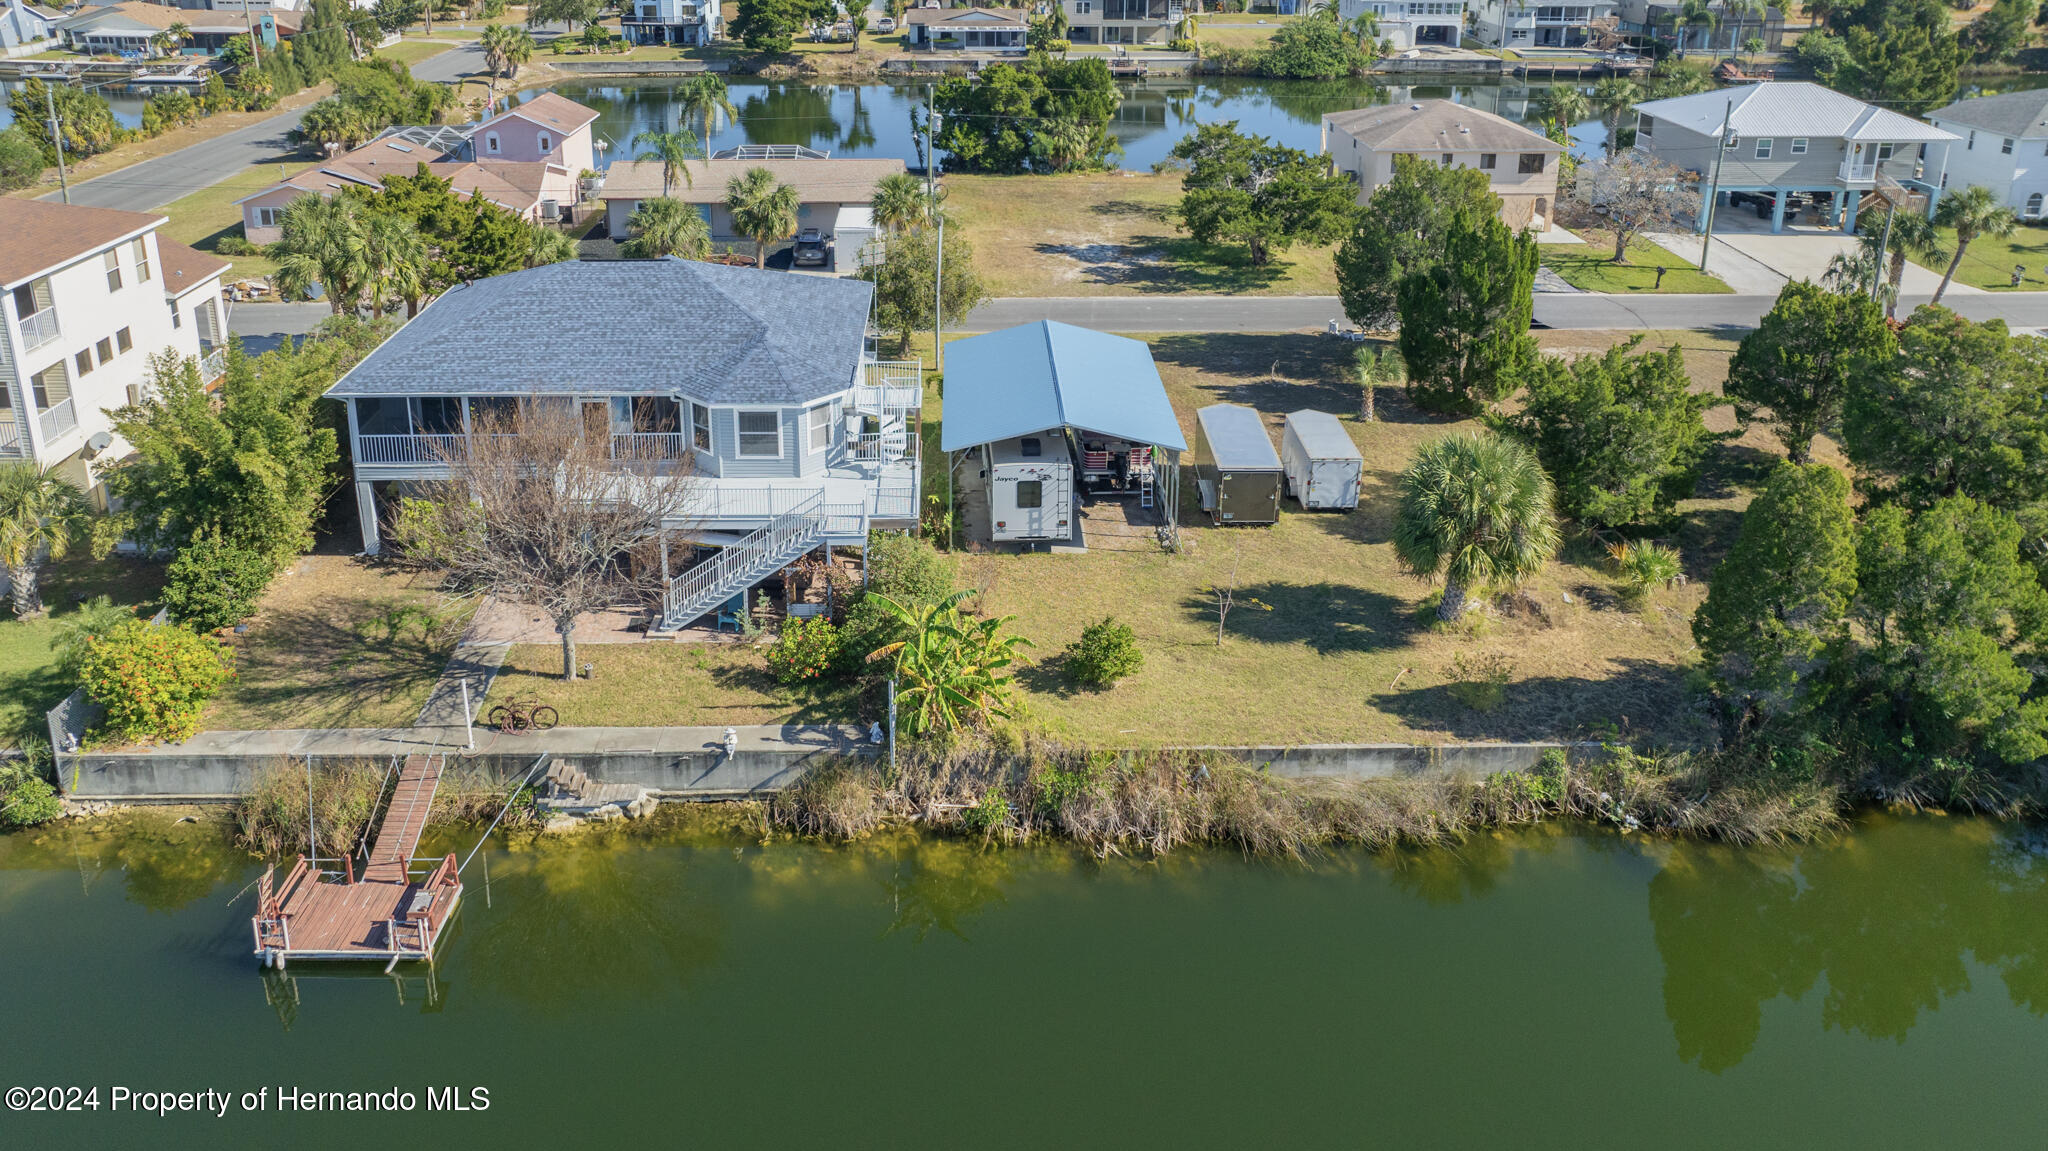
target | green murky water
x=1558, y=988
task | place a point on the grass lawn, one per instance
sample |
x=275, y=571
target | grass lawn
x=410, y=52
x=209, y=215
x=1240, y=32
x=1111, y=233
x=1336, y=653
x=1590, y=266
x=30, y=683
x=1988, y=262
x=659, y=684
x=339, y=642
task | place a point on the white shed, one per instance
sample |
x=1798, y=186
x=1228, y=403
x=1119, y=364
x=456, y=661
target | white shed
x=1323, y=467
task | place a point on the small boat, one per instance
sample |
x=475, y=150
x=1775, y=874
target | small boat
x=189, y=74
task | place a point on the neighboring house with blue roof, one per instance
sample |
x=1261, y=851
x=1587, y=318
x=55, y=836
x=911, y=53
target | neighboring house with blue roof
x=759, y=383
x=1051, y=414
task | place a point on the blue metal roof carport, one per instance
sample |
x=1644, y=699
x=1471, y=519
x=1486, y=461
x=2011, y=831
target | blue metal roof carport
x=1047, y=375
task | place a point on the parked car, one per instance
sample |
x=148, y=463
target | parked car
x=885, y=25
x=810, y=248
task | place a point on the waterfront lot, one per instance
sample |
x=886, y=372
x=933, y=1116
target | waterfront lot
x=1112, y=233
x=30, y=681
x=1337, y=646
x=339, y=642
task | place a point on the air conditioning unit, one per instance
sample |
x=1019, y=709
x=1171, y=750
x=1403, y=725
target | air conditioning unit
x=550, y=210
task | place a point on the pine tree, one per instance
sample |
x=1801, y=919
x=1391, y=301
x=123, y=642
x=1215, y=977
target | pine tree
x=1465, y=322
x=1797, y=363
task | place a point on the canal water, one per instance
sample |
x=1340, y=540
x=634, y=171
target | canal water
x=675, y=986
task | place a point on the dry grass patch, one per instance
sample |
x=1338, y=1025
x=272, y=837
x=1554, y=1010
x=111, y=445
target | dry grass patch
x=666, y=685
x=339, y=642
x=1111, y=233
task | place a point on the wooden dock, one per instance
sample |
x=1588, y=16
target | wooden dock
x=387, y=913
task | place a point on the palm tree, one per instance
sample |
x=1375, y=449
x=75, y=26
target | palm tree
x=762, y=209
x=1475, y=511
x=1564, y=104
x=397, y=257
x=1817, y=12
x=493, y=42
x=899, y=202
x=666, y=227
x=703, y=96
x=1973, y=212
x=1614, y=96
x=949, y=672
x=334, y=122
x=1696, y=14
x=168, y=41
x=545, y=245
x=1364, y=28
x=324, y=245
x=519, y=48
x=75, y=632
x=674, y=150
x=41, y=515
x=1912, y=235
x=1062, y=142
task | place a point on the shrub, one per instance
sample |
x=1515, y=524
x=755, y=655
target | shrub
x=1183, y=45
x=1106, y=652
x=1644, y=567
x=235, y=246
x=214, y=583
x=74, y=632
x=989, y=815
x=1481, y=682
x=153, y=681
x=804, y=650
x=26, y=798
x=907, y=569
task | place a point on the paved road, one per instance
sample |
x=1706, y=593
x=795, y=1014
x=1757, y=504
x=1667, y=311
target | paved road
x=154, y=183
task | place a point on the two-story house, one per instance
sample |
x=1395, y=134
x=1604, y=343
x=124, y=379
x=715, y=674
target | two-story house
x=88, y=295
x=526, y=159
x=759, y=383
x=1721, y=27
x=1122, y=21
x=1411, y=23
x=1520, y=165
x=1536, y=24
x=2001, y=144
x=689, y=23
x=1781, y=139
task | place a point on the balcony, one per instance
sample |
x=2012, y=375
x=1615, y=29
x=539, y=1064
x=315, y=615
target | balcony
x=1857, y=170
x=39, y=329
x=406, y=449
x=213, y=365
x=58, y=421
x=12, y=443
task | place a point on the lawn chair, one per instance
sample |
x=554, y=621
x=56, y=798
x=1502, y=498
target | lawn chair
x=731, y=612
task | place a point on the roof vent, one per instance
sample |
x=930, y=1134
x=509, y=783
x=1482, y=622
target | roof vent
x=1415, y=107
x=1464, y=131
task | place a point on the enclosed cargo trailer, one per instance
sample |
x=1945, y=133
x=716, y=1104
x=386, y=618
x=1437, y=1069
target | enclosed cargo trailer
x=1237, y=472
x=1322, y=465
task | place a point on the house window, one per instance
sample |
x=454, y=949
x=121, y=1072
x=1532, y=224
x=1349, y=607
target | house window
x=1030, y=493
x=268, y=217
x=1763, y=147
x=2033, y=206
x=1970, y=143
x=760, y=435
x=2005, y=146
x=1646, y=125
x=84, y=361
x=106, y=350
x=1799, y=145
x=123, y=340
x=50, y=386
x=141, y=262
x=436, y=416
x=1532, y=163
x=1447, y=159
x=1884, y=152
x=112, y=259
x=491, y=143
x=177, y=317
x=1486, y=161
x=1084, y=7
x=545, y=142
x=819, y=420
x=700, y=426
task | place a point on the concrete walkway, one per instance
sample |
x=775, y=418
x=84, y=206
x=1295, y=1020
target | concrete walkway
x=473, y=665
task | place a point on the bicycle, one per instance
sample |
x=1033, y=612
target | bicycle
x=522, y=715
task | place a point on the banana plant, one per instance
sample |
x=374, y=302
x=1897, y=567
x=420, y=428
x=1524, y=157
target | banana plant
x=950, y=670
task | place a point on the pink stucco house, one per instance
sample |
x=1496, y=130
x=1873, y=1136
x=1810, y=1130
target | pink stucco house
x=525, y=159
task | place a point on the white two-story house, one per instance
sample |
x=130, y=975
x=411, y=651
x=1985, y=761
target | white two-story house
x=1536, y=24
x=1520, y=165
x=2002, y=144
x=688, y=23
x=1411, y=23
x=1122, y=21
x=759, y=384
x=89, y=295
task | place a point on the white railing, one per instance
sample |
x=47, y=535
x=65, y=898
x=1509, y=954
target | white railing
x=1859, y=172
x=896, y=501
x=12, y=443
x=406, y=449
x=39, y=329
x=879, y=447
x=58, y=420
x=648, y=446
x=705, y=586
x=213, y=365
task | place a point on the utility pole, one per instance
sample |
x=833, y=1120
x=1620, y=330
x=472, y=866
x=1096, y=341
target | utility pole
x=1714, y=189
x=930, y=161
x=255, y=45
x=939, y=302
x=57, y=139
x=1877, y=276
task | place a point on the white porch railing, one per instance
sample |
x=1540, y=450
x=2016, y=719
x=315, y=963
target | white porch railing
x=1859, y=171
x=58, y=420
x=213, y=365
x=879, y=447
x=648, y=446
x=12, y=442
x=39, y=329
x=405, y=449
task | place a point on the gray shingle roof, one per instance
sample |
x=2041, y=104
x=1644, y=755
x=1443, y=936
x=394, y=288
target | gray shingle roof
x=2011, y=114
x=1436, y=125
x=620, y=327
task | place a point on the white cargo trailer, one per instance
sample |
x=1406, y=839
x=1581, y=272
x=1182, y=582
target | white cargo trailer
x=1030, y=487
x=1322, y=465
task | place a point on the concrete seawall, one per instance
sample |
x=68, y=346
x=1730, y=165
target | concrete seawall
x=677, y=762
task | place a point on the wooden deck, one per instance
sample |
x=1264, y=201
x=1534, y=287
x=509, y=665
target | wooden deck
x=385, y=914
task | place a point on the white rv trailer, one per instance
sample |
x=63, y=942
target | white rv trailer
x=1322, y=465
x=1030, y=487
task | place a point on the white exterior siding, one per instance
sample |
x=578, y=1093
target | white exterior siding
x=2015, y=167
x=1411, y=22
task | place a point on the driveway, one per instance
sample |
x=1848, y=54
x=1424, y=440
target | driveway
x=1754, y=262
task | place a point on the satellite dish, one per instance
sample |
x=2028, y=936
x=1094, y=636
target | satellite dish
x=99, y=442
